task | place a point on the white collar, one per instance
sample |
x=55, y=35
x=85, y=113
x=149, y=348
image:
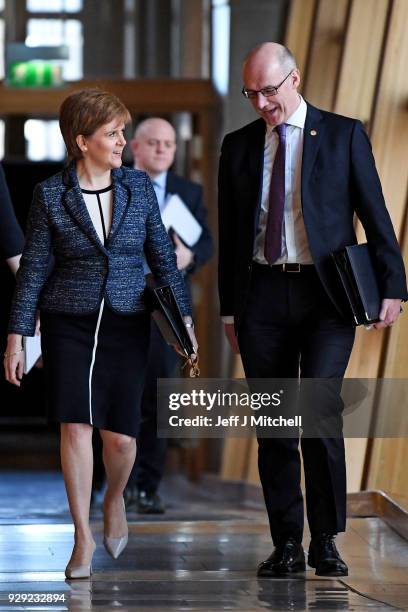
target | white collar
x=297, y=118
x=160, y=180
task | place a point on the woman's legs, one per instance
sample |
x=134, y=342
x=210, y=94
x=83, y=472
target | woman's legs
x=119, y=453
x=77, y=465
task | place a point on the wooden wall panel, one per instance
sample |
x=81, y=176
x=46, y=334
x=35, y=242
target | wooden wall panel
x=139, y=95
x=298, y=30
x=235, y=458
x=388, y=466
x=390, y=125
x=388, y=351
x=356, y=449
x=326, y=53
x=389, y=457
x=194, y=35
x=361, y=56
x=389, y=138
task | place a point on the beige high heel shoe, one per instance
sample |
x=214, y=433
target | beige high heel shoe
x=72, y=572
x=115, y=546
x=78, y=571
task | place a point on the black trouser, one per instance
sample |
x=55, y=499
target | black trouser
x=291, y=326
x=150, y=461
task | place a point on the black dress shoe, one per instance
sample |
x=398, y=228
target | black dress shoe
x=130, y=497
x=324, y=556
x=149, y=503
x=287, y=558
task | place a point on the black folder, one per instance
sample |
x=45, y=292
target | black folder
x=358, y=277
x=168, y=318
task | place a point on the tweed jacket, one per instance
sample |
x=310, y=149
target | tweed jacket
x=85, y=271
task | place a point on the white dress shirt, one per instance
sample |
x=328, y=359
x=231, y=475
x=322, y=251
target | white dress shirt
x=295, y=246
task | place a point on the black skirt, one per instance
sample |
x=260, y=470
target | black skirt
x=95, y=368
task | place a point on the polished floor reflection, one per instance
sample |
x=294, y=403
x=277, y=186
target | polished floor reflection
x=177, y=564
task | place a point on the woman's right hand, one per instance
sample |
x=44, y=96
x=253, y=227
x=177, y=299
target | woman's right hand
x=14, y=359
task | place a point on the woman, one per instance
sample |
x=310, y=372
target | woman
x=98, y=220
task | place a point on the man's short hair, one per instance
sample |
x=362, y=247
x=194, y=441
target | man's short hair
x=284, y=56
x=286, y=59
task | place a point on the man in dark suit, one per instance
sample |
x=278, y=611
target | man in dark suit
x=154, y=147
x=289, y=185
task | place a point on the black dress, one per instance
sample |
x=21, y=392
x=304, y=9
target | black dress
x=95, y=364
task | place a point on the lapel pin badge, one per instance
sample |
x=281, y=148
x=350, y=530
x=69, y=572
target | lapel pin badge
x=313, y=132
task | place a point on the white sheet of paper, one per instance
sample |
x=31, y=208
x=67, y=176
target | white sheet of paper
x=177, y=216
x=32, y=351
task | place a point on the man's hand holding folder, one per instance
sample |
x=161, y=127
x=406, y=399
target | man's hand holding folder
x=390, y=310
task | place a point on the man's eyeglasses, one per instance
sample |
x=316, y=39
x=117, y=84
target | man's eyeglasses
x=267, y=92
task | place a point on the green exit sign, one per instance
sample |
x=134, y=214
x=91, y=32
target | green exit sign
x=35, y=73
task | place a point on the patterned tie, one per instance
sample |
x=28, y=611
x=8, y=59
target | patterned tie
x=273, y=234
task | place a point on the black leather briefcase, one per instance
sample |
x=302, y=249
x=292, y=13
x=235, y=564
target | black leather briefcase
x=358, y=278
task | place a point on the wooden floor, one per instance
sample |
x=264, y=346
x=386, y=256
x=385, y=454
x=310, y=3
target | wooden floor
x=207, y=563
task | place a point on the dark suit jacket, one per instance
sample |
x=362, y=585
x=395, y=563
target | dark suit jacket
x=339, y=178
x=85, y=270
x=11, y=235
x=192, y=196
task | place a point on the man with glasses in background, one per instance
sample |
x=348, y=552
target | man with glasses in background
x=289, y=185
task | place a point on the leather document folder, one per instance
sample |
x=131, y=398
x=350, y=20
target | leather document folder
x=357, y=273
x=168, y=318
